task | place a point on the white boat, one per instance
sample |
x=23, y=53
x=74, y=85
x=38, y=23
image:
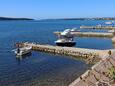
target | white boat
x=73, y=30
x=22, y=51
x=66, y=33
x=65, y=38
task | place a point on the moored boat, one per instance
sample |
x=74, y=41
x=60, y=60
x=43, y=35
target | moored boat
x=22, y=51
x=65, y=38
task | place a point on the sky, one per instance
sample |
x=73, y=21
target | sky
x=45, y=9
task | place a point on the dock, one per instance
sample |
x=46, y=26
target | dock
x=90, y=34
x=98, y=27
x=88, y=54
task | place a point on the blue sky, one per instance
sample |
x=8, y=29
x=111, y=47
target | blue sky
x=42, y=9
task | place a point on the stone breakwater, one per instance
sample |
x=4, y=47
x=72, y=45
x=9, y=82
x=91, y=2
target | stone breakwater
x=98, y=27
x=109, y=34
x=92, y=34
x=98, y=73
x=90, y=55
x=71, y=51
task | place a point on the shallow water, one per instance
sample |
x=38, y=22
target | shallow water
x=41, y=69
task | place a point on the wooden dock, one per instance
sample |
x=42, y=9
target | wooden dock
x=98, y=27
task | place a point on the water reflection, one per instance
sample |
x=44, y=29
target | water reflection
x=20, y=58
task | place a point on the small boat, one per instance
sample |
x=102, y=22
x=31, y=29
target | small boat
x=22, y=51
x=66, y=32
x=65, y=42
x=65, y=38
x=75, y=30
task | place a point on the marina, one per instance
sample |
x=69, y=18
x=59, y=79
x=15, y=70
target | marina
x=57, y=43
x=90, y=77
x=59, y=64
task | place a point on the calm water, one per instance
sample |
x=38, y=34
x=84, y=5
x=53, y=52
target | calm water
x=41, y=69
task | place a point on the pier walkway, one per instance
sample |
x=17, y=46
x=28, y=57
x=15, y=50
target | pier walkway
x=90, y=34
x=90, y=54
x=93, y=34
x=98, y=27
x=71, y=51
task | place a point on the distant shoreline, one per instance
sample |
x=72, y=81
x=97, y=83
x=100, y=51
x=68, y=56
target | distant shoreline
x=103, y=18
x=8, y=18
x=89, y=19
x=97, y=18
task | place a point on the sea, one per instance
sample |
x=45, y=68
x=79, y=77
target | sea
x=43, y=69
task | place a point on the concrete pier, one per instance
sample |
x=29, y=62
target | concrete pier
x=98, y=27
x=92, y=34
x=88, y=54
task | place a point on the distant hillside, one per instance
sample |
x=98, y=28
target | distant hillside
x=98, y=18
x=103, y=18
x=7, y=18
